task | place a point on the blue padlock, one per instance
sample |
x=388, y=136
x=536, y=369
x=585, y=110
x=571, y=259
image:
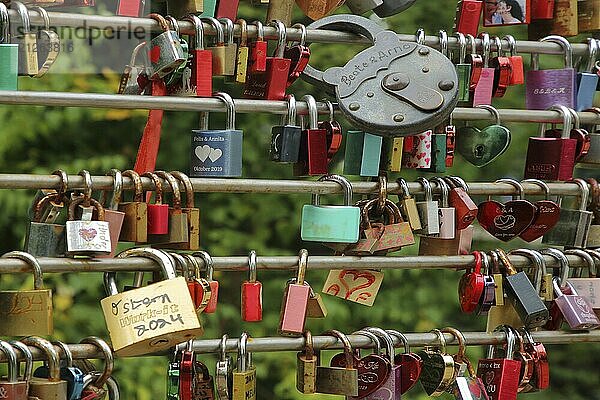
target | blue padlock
x=217, y=152
x=363, y=154
x=587, y=80
x=73, y=375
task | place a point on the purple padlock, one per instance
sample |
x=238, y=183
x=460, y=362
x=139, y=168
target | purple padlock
x=545, y=88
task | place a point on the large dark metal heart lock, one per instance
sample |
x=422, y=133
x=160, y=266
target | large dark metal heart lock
x=373, y=371
x=393, y=88
x=505, y=221
x=482, y=146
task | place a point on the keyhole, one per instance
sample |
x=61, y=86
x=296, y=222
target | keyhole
x=479, y=151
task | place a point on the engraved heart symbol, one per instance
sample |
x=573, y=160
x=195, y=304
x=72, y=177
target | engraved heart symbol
x=356, y=275
x=506, y=221
x=202, y=152
x=489, y=377
x=481, y=147
x=373, y=371
x=215, y=154
x=88, y=234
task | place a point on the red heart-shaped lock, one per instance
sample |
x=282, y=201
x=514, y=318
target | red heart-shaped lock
x=471, y=285
x=411, y=365
x=506, y=221
x=373, y=371
x=546, y=216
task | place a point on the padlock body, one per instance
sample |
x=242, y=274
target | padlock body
x=272, y=84
x=546, y=88
x=363, y=154
x=45, y=240
x=438, y=153
x=244, y=384
x=315, y=308
x=14, y=390
x=526, y=301
x=26, y=312
x=130, y=8
x=88, y=238
x=178, y=231
x=285, y=143
x=166, y=54
x=586, y=90
x=193, y=225
x=468, y=15
x=135, y=222
x=216, y=153
x=588, y=12
x=338, y=224
x=408, y=206
x=9, y=66
x=158, y=219
x=593, y=240
x=241, y=66
x=293, y=310
x=485, y=88
x=435, y=246
x=169, y=319
x=447, y=222
x=464, y=75
x=577, y=311
x=258, y=57
x=201, y=78
x=571, y=230
x=517, y=76
x=430, y=219
x=592, y=159
x=500, y=377
x=251, y=301
x=395, y=151
x=306, y=373
x=211, y=307
x=469, y=388
x=550, y=159
x=312, y=159
x=46, y=389
x=209, y=8
x=543, y=9
x=334, y=380
x=115, y=223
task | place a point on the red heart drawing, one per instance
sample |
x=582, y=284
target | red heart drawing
x=427, y=160
x=154, y=54
x=356, y=275
x=506, y=221
x=88, y=234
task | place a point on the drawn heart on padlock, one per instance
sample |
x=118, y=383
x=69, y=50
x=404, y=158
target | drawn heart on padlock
x=506, y=221
x=155, y=54
x=356, y=275
x=482, y=146
x=411, y=365
x=546, y=216
x=317, y=9
x=215, y=154
x=88, y=234
x=489, y=377
x=373, y=371
x=202, y=152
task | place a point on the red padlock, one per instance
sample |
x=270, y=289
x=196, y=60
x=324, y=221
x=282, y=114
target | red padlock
x=211, y=307
x=252, y=293
x=158, y=213
x=518, y=75
x=313, y=156
x=271, y=84
x=466, y=209
x=541, y=370
x=471, y=286
x=468, y=14
x=258, y=51
x=201, y=63
x=501, y=376
x=476, y=61
x=503, y=70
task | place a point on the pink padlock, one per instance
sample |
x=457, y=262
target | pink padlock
x=295, y=300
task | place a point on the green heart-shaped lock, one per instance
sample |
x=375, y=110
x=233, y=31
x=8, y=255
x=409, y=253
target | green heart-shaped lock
x=482, y=146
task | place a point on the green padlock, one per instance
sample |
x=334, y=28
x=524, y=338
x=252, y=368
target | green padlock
x=209, y=8
x=9, y=54
x=438, y=150
x=463, y=69
x=332, y=224
x=363, y=154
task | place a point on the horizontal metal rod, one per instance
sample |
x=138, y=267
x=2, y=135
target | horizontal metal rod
x=273, y=186
x=268, y=344
x=273, y=263
x=173, y=103
x=117, y=23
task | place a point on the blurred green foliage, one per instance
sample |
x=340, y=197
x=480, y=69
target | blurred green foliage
x=41, y=139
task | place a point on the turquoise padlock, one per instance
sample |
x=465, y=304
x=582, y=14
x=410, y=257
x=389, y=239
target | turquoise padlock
x=9, y=54
x=332, y=224
x=209, y=8
x=363, y=154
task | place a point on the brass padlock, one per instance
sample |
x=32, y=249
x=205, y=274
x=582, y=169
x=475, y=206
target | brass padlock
x=191, y=212
x=26, y=312
x=339, y=380
x=52, y=388
x=244, y=376
x=135, y=223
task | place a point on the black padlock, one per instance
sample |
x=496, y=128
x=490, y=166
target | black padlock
x=285, y=138
x=522, y=294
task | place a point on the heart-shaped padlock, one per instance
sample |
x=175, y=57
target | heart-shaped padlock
x=410, y=364
x=393, y=88
x=546, y=216
x=505, y=221
x=438, y=368
x=471, y=286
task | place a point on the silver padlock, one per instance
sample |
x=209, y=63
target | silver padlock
x=44, y=238
x=129, y=79
x=428, y=211
x=166, y=53
x=391, y=7
x=592, y=159
x=360, y=7
x=447, y=214
x=86, y=237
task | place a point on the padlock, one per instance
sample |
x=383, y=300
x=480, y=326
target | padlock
x=281, y=10
x=135, y=222
x=363, y=153
x=408, y=206
x=541, y=373
x=243, y=53
x=542, y=9
x=315, y=308
x=98, y=384
x=502, y=70
x=439, y=141
x=472, y=286
x=73, y=375
x=218, y=47
x=211, y=307
x=27, y=41
x=47, y=44
x=227, y=9
x=230, y=46
x=27, y=312
x=313, y=155
x=576, y=310
x=587, y=15
x=484, y=88
x=252, y=293
x=572, y=228
x=360, y=7
x=244, y=376
x=466, y=209
x=392, y=385
x=223, y=372
x=201, y=63
x=463, y=69
x=299, y=55
x=552, y=158
x=209, y=8
x=338, y=380
x=546, y=216
x=476, y=61
x=428, y=211
x=111, y=214
x=468, y=14
x=178, y=231
x=285, y=138
x=191, y=212
x=522, y=295
x=517, y=77
x=546, y=88
x=52, y=387
x=588, y=287
x=166, y=53
x=396, y=233
x=44, y=238
x=20, y=387
x=130, y=8
x=200, y=289
x=392, y=7
x=174, y=80
x=397, y=79
x=218, y=152
x=134, y=73
x=306, y=366
x=337, y=224
x=173, y=371
x=258, y=50
x=9, y=54
x=438, y=367
x=392, y=154
x=500, y=375
x=447, y=214
x=295, y=299
x=587, y=80
x=203, y=383
x=417, y=152
x=272, y=84
x=86, y=237
x=174, y=314
x=410, y=363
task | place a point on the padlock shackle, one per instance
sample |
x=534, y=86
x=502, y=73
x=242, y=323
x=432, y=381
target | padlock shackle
x=170, y=179
x=593, y=49
x=81, y=201
x=402, y=337
x=374, y=340
x=252, y=266
x=188, y=185
x=243, y=356
x=420, y=36
x=313, y=112
x=345, y=23
x=512, y=45
x=43, y=202
x=290, y=117
x=346, y=343
x=462, y=47
x=228, y=28
x=426, y=188
x=486, y=48
x=302, y=266
x=404, y=186
x=538, y=262
x=65, y=349
x=595, y=254
x=309, y=348
x=260, y=30
x=158, y=192
x=230, y=109
x=137, y=184
x=342, y=181
x=281, y=38
x=510, y=342
x=541, y=184
x=387, y=338
x=4, y=24
x=563, y=261
x=208, y=263
x=109, y=360
x=223, y=347
x=514, y=183
x=589, y=260
x=162, y=258
x=162, y=22
x=303, y=33
x=11, y=357
x=116, y=190
x=87, y=186
x=585, y=193
x=28, y=372
x=493, y=110
x=51, y=355
x=444, y=188
x=498, y=43
x=23, y=14
x=567, y=121
x=218, y=28
x=443, y=39
x=198, y=30
x=564, y=43
x=38, y=276
x=43, y=14
x=174, y=24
